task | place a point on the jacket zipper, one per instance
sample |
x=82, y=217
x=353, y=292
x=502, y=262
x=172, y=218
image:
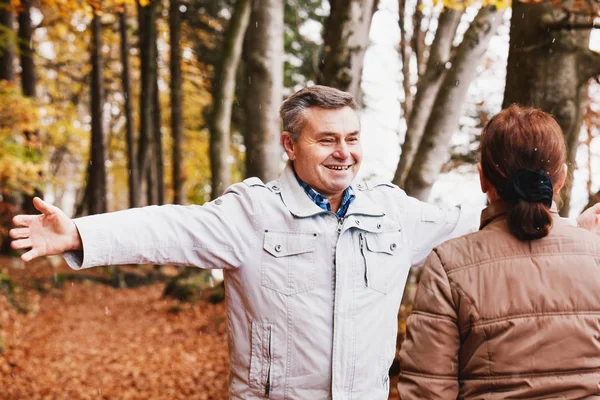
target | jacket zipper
x=268, y=383
x=361, y=239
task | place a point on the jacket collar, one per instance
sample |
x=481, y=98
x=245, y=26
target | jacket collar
x=499, y=210
x=300, y=205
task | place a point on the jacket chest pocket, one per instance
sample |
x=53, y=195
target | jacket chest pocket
x=288, y=264
x=380, y=259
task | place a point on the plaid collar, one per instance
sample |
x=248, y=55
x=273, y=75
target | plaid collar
x=323, y=202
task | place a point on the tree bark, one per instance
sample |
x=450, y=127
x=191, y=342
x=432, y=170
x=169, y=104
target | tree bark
x=549, y=69
x=7, y=53
x=28, y=78
x=28, y=85
x=344, y=45
x=97, y=170
x=263, y=54
x=428, y=87
x=434, y=148
x=405, y=52
x=159, y=173
x=179, y=196
x=147, y=27
x=132, y=166
x=418, y=38
x=224, y=90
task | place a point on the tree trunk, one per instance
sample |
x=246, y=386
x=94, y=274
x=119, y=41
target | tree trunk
x=434, y=148
x=179, y=196
x=549, y=66
x=224, y=90
x=7, y=53
x=428, y=87
x=147, y=27
x=132, y=166
x=405, y=58
x=97, y=170
x=418, y=38
x=28, y=78
x=159, y=178
x=28, y=85
x=344, y=44
x=263, y=54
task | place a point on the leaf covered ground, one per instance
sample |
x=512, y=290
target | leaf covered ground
x=85, y=340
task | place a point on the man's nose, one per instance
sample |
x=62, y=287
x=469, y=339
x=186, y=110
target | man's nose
x=341, y=151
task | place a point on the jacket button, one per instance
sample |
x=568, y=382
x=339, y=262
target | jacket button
x=393, y=246
x=378, y=226
x=278, y=248
x=357, y=222
x=275, y=187
x=218, y=202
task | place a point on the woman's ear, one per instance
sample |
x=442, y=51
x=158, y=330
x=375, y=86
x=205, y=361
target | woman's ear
x=485, y=185
x=288, y=144
x=560, y=182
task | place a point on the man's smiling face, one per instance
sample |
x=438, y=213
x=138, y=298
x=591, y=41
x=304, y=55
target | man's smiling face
x=328, y=153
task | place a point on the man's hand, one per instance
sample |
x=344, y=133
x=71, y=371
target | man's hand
x=590, y=219
x=51, y=232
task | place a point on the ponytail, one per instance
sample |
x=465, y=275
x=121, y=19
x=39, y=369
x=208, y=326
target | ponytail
x=529, y=221
x=531, y=192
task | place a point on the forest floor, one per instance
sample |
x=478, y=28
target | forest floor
x=85, y=340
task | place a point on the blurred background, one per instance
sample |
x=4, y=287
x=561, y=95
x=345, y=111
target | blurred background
x=111, y=104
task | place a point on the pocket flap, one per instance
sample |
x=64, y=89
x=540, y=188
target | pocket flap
x=283, y=244
x=388, y=243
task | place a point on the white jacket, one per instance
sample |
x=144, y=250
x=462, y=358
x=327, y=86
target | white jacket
x=312, y=299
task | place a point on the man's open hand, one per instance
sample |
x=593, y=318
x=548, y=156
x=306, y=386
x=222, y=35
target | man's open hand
x=51, y=232
x=590, y=219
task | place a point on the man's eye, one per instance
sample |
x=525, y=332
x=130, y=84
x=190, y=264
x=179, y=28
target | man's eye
x=326, y=140
x=353, y=139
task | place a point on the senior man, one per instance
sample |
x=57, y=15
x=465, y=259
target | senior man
x=315, y=266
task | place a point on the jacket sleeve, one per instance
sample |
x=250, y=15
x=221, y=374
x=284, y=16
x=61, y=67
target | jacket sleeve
x=215, y=235
x=429, y=356
x=428, y=225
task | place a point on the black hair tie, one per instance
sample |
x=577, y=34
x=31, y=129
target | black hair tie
x=529, y=185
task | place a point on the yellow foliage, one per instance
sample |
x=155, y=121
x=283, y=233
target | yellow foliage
x=20, y=161
x=462, y=4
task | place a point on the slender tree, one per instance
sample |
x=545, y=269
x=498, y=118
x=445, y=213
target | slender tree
x=132, y=166
x=97, y=171
x=223, y=93
x=157, y=178
x=428, y=87
x=147, y=27
x=7, y=52
x=405, y=55
x=28, y=77
x=176, y=102
x=263, y=55
x=28, y=85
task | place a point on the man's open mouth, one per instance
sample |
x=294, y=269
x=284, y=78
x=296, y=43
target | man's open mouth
x=338, y=167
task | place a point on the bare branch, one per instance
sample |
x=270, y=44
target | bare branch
x=570, y=26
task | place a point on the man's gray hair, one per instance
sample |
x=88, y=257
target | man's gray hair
x=292, y=110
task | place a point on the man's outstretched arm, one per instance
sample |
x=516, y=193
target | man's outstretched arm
x=48, y=233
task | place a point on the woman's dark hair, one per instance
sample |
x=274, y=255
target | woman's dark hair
x=523, y=141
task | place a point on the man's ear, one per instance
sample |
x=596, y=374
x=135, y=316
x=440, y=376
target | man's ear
x=560, y=182
x=288, y=144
